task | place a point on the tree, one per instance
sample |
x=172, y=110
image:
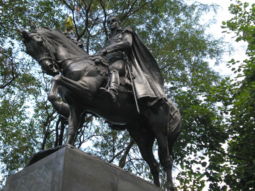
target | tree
x=241, y=146
x=20, y=88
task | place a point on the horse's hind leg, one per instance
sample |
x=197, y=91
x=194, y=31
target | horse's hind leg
x=145, y=139
x=165, y=159
x=158, y=119
x=175, y=126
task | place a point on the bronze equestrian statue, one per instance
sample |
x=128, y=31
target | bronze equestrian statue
x=126, y=72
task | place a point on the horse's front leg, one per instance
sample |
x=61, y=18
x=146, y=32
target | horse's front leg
x=53, y=94
x=72, y=111
x=60, y=106
x=85, y=87
x=74, y=122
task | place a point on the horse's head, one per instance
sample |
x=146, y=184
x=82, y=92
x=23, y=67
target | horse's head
x=35, y=47
x=51, y=48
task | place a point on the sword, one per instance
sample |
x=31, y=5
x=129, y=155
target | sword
x=133, y=87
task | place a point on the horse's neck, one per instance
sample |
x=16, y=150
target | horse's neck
x=63, y=56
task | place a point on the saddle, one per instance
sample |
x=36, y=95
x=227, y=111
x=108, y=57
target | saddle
x=102, y=67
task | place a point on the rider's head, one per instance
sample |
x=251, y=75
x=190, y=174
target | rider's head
x=113, y=23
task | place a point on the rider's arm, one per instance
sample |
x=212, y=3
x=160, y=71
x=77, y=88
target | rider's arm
x=123, y=45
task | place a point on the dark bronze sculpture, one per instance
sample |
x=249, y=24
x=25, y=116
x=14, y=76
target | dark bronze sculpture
x=127, y=72
x=124, y=50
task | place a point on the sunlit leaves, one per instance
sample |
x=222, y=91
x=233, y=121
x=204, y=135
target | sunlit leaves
x=172, y=31
x=241, y=122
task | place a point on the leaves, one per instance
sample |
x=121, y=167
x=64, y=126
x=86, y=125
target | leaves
x=241, y=122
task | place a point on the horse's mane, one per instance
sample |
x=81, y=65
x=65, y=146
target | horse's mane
x=54, y=38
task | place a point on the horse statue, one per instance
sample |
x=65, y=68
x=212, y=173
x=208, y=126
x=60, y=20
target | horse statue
x=77, y=79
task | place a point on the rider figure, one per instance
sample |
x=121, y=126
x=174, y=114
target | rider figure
x=114, y=52
x=124, y=47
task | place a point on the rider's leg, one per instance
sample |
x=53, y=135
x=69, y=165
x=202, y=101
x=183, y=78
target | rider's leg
x=114, y=81
x=115, y=68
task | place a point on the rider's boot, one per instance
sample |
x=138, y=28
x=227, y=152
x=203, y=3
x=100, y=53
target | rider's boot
x=112, y=89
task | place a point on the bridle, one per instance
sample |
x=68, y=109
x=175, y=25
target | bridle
x=52, y=61
x=45, y=58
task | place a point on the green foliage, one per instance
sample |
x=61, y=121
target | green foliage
x=20, y=82
x=241, y=172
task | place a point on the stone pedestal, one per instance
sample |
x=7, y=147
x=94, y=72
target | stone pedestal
x=70, y=169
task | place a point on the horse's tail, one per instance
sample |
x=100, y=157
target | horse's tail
x=174, y=126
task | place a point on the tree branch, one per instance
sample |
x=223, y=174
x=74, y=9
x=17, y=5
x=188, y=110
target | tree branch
x=9, y=82
x=105, y=18
x=14, y=74
x=46, y=126
x=56, y=132
x=122, y=161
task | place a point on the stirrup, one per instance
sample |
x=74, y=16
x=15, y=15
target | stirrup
x=111, y=93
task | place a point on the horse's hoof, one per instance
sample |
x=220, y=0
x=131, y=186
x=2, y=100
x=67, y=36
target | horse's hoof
x=172, y=189
x=42, y=154
x=56, y=78
x=70, y=146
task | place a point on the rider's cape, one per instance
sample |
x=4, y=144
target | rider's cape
x=148, y=80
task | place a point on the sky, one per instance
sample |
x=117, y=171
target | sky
x=234, y=50
x=237, y=48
